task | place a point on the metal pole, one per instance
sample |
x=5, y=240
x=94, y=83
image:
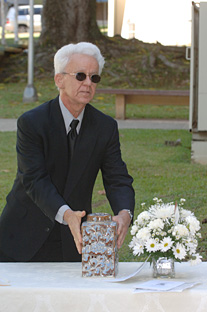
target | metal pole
x=3, y=22
x=30, y=94
x=16, y=39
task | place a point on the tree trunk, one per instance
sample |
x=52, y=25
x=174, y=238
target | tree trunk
x=69, y=21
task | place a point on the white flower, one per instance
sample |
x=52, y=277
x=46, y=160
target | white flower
x=142, y=217
x=181, y=230
x=185, y=213
x=133, y=242
x=196, y=259
x=137, y=246
x=198, y=235
x=143, y=233
x=162, y=212
x=151, y=245
x=166, y=244
x=166, y=228
x=191, y=247
x=179, y=251
x=138, y=249
x=134, y=229
x=194, y=224
x=156, y=224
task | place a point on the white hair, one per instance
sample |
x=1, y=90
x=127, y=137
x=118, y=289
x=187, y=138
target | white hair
x=63, y=55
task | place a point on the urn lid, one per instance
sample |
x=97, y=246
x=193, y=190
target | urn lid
x=99, y=217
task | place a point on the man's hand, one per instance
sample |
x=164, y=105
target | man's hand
x=123, y=221
x=73, y=219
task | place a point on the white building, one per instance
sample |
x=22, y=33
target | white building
x=164, y=21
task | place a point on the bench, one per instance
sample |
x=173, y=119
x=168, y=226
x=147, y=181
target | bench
x=152, y=97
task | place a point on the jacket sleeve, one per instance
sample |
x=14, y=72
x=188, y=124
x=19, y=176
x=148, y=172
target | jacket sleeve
x=117, y=181
x=32, y=169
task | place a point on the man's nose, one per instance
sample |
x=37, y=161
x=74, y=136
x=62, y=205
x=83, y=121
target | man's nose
x=88, y=80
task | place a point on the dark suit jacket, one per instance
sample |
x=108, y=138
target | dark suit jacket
x=43, y=184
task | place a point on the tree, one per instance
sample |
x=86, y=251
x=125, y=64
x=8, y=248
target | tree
x=68, y=21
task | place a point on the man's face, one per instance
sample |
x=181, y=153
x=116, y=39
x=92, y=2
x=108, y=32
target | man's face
x=76, y=94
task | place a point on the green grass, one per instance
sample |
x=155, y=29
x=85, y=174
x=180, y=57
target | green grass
x=11, y=97
x=12, y=106
x=123, y=71
x=118, y=73
x=161, y=171
x=158, y=170
x=7, y=164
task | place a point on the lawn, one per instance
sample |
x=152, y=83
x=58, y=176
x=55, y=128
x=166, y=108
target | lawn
x=12, y=106
x=125, y=71
x=158, y=170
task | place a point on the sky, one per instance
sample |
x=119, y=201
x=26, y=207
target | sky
x=164, y=21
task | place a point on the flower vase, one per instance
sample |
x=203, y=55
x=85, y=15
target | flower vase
x=163, y=267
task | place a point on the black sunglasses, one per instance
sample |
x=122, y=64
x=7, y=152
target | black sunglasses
x=82, y=76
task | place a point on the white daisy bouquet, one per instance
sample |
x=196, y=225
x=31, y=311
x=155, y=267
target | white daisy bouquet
x=166, y=230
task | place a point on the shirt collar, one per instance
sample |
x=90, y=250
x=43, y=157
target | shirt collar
x=68, y=117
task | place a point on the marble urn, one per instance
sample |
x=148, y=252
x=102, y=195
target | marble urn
x=99, y=250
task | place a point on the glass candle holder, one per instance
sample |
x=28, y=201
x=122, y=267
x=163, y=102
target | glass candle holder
x=163, y=267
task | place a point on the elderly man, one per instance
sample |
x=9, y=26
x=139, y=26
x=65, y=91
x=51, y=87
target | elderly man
x=61, y=146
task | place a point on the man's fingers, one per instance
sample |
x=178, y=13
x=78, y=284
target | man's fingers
x=122, y=220
x=78, y=246
x=120, y=241
x=83, y=213
x=121, y=236
x=116, y=219
x=74, y=223
x=78, y=240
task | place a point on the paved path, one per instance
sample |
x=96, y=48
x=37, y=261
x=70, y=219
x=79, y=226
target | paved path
x=11, y=124
x=153, y=124
x=8, y=124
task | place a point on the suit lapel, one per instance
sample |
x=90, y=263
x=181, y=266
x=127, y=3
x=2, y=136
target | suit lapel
x=85, y=145
x=58, y=138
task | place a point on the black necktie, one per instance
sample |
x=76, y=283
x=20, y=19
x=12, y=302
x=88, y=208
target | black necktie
x=72, y=135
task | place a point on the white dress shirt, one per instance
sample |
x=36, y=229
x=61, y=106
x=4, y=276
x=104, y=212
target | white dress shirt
x=68, y=117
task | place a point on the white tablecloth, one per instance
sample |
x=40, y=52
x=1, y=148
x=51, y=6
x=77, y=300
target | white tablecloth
x=59, y=287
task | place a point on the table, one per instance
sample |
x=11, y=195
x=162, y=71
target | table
x=59, y=287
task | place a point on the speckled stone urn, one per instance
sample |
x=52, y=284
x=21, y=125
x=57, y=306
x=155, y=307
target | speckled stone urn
x=99, y=250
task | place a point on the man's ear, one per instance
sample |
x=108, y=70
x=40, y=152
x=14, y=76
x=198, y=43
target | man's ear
x=59, y=80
